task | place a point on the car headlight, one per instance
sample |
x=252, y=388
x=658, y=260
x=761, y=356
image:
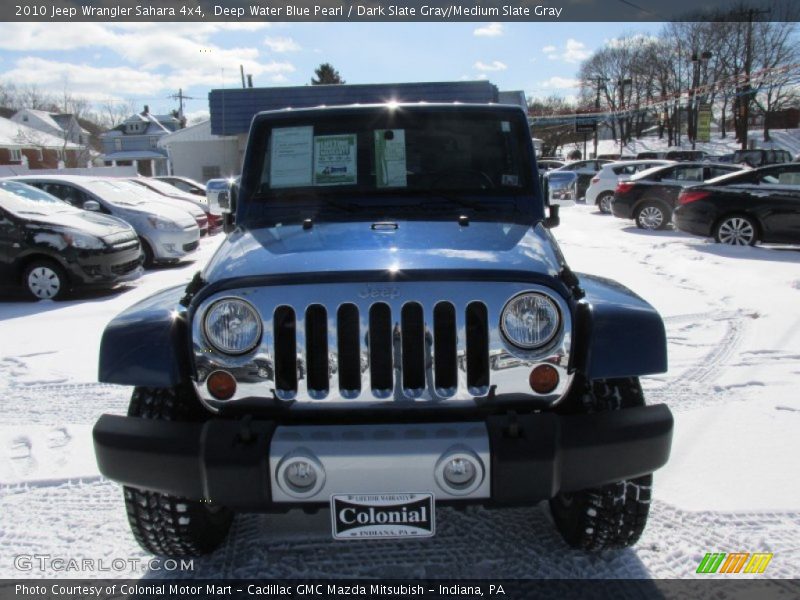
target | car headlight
x=530, y=320
x=232, y=326
x=163, y=224
x=82, y=241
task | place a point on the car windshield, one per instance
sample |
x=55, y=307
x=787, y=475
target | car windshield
x=395, y=152
x=114, y=193
x=159, y=186
x=21, y=200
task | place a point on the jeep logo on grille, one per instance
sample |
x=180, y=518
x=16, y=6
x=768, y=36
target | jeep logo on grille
x=375, y=292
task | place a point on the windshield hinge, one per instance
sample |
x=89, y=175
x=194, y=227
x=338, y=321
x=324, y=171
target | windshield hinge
x=194, y=286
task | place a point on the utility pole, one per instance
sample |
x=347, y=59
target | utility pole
x=746, y=93
x=600, y=82
x=180, y=98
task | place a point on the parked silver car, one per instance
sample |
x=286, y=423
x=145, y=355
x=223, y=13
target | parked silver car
x=167, y=233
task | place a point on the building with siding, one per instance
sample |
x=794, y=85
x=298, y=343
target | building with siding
x=64, y=126
x=196, y=153
x=135, y=142
x=25, y=146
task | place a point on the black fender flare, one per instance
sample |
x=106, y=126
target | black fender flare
x=147, y=344
x=617, y=333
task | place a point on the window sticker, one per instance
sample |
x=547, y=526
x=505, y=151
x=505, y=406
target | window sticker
x=505, y=126
x=335, y=159
x=390, y=158
x=510, y=180
x=291, y=154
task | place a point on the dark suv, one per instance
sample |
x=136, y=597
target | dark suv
x=49, y=246
x=390, y=326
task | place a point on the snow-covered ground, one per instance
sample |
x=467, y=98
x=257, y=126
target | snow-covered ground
x=731, y=485
x=780, y=139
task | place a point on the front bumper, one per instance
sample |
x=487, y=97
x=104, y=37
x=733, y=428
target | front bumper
x=525, y=458
x=97, y=269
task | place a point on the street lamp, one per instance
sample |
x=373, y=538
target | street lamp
x=622, y=84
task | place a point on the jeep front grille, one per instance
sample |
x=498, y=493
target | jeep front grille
x=407, y=342
x=396, y=353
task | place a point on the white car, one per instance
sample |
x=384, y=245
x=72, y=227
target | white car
x=601, y=189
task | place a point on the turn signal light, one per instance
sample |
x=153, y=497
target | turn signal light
x=221, y=385
x=543, y=379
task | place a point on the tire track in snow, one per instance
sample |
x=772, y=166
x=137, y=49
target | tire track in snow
x=692, y=387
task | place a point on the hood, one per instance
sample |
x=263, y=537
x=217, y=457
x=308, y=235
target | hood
x=159, y=209
x=84, y=221
x=413, y=245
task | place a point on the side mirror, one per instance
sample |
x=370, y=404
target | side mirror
x=224, y=201
x=553, y=220
x=92, y=205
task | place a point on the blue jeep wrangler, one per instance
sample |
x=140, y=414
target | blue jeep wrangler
x=389, y=327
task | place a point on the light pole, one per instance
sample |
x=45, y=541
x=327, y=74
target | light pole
x=622, y=83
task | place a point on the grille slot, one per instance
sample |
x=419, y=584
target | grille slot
x=285, y=351
x=445, y=358
x=477, y=348
x=380, y=349
x=412, y=327
x=349, y=350
x=317, y=350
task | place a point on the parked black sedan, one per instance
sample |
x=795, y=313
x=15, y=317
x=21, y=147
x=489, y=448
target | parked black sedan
x=49, y=246
x=745, y=208
x=650, y=197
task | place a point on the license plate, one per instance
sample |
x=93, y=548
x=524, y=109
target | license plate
x=365, y=516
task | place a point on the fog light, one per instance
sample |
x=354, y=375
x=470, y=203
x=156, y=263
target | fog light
x=459, y=471
x=543, y=379
x=221, y=385
x=300, y=474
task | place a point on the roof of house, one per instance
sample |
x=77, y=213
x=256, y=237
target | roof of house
x=19, y=135
x=199, y=132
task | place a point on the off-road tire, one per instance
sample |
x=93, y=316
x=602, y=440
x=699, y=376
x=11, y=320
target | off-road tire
x=168, y=525
x=614, y=515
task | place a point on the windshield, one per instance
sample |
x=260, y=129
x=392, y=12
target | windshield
x=481, y=153
x=160, y=186
x=21, y=199
x=113, y=193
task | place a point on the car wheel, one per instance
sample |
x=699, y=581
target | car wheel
x=164, y=524
x=147, y=254
x=613, y=515
x=45, y=280
x=736, y=230
x=652, y=216
x=604, y=202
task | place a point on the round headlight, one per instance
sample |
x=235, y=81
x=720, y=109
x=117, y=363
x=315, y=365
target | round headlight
x=530, y=320
x=233, y=326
